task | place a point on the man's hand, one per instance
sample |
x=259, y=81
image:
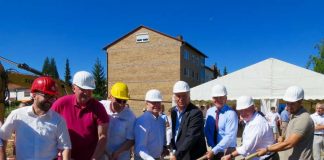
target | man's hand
x=165, y=152
x=262, y=152
x=281, y=139
x=172, y=157
x=210, y=154
x=226, y=157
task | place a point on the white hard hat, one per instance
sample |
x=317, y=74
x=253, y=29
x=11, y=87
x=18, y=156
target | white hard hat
x=153, y=95
x=219, y=90
x=244, y=102
x=84, y=80
x=181, y=86
x=293, y=94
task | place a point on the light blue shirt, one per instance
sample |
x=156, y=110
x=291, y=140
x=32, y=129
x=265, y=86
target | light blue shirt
x=121, y=129
x=227, y=128
x=149, y=136
x=284, y=116
x=178, y=121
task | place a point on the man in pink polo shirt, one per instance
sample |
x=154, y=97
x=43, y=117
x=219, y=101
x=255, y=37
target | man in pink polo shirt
x=86, y=118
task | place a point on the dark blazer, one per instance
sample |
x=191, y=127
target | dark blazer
x=191, y=142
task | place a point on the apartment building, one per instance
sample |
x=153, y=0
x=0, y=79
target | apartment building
x=145, y=59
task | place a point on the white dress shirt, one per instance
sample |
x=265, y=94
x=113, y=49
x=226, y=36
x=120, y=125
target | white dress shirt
x=121, y=128
x=257, y=134
x=149, y=136
x=273, y=117
x=318, y=120
x=37, y=137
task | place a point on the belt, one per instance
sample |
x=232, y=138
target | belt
x=319, y=134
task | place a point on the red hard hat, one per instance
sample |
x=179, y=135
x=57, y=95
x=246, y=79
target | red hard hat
x=44, y=84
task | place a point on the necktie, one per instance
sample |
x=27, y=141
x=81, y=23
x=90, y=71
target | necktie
x=216, y=126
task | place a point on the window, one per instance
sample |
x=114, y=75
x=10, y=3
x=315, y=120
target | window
x=193, y=74
x=186, y=54
x=202, y=61
x=142, y=37
x=27, y=94
x=185, y=72
x=202, y=75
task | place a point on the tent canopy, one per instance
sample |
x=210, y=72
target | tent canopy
x=267, y=79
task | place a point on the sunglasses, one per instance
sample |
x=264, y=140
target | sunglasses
x=46, y=96
x=121, y=101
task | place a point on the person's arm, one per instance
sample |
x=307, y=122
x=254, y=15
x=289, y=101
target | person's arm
x=129, y=136
x=66, y=154
x=209, y=129
x=290, y=142
x=124, y=147
x=102, y=140
x=141, y=136
x=230, y=132
x=319, y=127
x=230, y=156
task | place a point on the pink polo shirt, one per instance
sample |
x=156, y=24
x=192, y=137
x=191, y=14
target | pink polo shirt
x=82, y=124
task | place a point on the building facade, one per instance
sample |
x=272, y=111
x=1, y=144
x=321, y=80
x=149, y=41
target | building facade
x=145, y=59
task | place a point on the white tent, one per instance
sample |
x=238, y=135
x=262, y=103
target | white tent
x=266, y=80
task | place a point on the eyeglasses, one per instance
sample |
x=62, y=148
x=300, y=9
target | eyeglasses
x=46, y=96
x=121, y=101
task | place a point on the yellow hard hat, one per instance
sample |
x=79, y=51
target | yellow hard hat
x=120, y=90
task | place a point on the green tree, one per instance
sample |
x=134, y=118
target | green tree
x=216, y=71
x=225, y=71
x=100, y=91
x=67, y=76
x=49, y=68
x=54, y=72
x=317, y=61
x=46, y=66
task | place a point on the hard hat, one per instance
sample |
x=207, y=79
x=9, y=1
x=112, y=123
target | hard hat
x=45, y=85
x=84, y=80
x=219, y=90
x=181, y=86
x=119, y=90
x=153, y=95
x=293, y=94
x=244, y=102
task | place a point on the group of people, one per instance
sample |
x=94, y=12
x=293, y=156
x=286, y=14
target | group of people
x=81, y=128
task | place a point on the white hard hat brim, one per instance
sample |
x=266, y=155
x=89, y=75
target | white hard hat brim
x=86, y=87
x=291, y=100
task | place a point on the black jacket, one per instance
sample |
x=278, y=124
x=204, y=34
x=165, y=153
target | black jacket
x=191, y=142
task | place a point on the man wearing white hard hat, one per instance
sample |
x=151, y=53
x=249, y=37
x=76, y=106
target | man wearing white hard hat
x=86, y=118
x=188, y=141
x=221, y=125
x=121, y=126
x=257, y=132
x=150, y=140
x=318, y=118
x=300, y=130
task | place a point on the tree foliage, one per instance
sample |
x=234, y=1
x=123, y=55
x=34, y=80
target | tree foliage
x=46, y=66
x=100, y=91
x=49, y=68
x=67, y=76
x=54, y=71
x=225, y=71
x=216, y=71
x=316, y=62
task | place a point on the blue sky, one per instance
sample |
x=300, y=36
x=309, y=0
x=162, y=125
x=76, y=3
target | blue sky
x=232, y=33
